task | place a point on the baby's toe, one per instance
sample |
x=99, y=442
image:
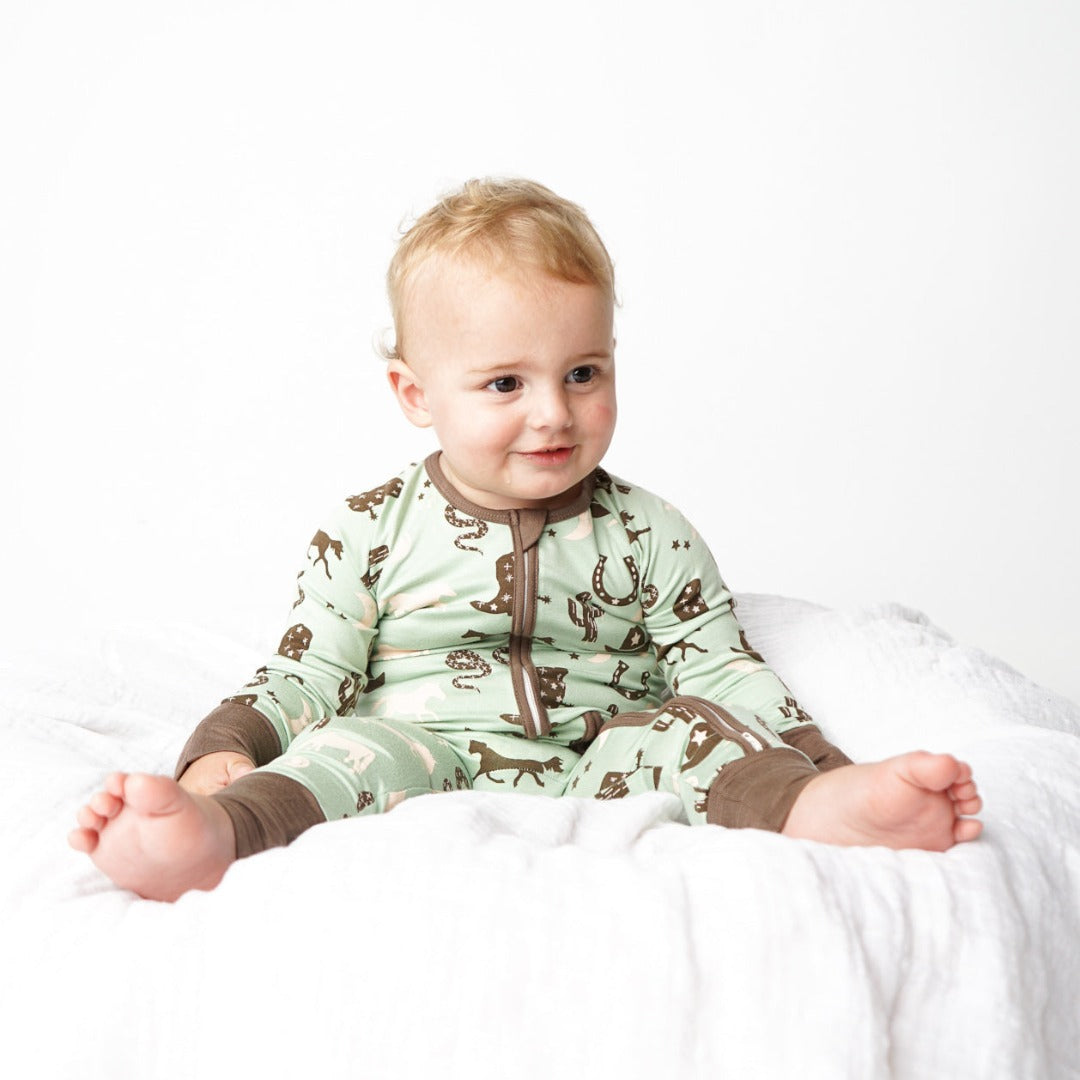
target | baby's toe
x=966, y=829
x=88, y=819
x=84, y=840
x=114, y=784
x=106, y=804
x=968, y=806
x=932, y=772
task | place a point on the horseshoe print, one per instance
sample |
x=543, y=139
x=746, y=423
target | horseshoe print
x=631, y=695
x=604, y=595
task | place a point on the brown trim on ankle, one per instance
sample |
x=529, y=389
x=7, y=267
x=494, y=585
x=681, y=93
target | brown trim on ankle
x=268, y=810
x=808, y=739
x=231, y=726
x=759, y=790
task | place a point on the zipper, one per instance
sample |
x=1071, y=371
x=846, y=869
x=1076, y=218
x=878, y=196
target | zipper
x=523, y=674
x=749, y=740
x=526, y=662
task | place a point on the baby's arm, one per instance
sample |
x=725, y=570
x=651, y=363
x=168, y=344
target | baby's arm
x=914, y=800
x=159, y=836
x=214, y=772
x=703, y=651
x=231, y=732
x=318, y=670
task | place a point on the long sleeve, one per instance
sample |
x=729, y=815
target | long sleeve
x=319, y=669
x=700, y=646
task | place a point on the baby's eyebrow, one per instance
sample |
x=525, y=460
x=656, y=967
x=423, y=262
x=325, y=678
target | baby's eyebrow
x=524, y=362
x=498, y=369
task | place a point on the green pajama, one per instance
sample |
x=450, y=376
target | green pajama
x=360, y=765
x=435, y=645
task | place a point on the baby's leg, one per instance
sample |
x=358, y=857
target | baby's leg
x=725, y=765
x=362, y=765
x=916, y=800
x=731, y=770
x=151, y=836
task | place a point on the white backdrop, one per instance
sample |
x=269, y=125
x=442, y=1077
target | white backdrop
x=846, y=238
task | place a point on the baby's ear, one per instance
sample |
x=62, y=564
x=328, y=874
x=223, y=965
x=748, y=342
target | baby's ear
x=409, y=392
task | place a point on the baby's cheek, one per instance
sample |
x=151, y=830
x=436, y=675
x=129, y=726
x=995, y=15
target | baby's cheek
x=601, y=415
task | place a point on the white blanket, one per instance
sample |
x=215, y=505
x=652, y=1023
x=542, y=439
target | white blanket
x=480, y=935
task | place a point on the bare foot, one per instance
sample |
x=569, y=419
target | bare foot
x=151, y=836
x=916, y=800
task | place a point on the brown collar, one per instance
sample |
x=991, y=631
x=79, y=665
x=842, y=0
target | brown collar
x=502, y=517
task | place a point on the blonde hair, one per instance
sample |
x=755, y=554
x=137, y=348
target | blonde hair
x=500, y=222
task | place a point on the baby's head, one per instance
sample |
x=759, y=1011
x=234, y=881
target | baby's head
x=503, y=300
x=510, y=227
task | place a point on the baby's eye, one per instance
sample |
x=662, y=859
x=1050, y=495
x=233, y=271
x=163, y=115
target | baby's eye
x=505, y=384
x=582, y=374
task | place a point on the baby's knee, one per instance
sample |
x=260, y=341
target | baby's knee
x=363, y=765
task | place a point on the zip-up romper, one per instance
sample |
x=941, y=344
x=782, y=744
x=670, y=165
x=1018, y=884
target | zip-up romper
x=437, y=645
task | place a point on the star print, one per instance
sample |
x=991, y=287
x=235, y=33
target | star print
x=545, y=599
x=551, y=532
x=574, y=656
x=686, y=543
x=674, y=545
x=420, y=496
x=427, y=483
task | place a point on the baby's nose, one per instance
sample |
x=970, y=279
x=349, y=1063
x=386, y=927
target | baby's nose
x=550, y=409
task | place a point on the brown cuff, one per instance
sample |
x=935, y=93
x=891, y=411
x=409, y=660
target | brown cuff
x=808, y=739
x=231, y=726
x=268, y=810
x=759, y=790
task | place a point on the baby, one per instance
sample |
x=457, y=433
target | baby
x=507, y=615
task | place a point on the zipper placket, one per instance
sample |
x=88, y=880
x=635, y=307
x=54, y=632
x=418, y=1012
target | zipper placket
x=522, y=671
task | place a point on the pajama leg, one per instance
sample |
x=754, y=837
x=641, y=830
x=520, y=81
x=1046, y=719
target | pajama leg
x=500, y=762
x=349, y=766
x=725, y=765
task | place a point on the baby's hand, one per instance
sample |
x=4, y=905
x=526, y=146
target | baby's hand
x=212, y=772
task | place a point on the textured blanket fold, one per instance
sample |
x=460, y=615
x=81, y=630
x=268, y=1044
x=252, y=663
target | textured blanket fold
x=472, y=934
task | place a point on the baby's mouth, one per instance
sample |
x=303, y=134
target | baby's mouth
x=552, y=455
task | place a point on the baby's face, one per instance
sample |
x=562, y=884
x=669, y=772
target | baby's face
x=516, y=374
